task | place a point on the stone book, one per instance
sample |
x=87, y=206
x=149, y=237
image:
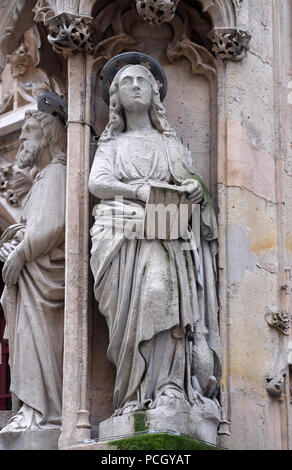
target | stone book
x=168, y=212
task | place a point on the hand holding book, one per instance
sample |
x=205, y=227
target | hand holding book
x=194, y=191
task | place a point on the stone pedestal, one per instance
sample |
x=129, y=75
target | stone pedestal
x=39, y=439
x=5, y=416
x=199, y=421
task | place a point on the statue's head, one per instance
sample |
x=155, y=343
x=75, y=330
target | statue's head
x=134, y=89
x=41, y=131
x=135, y=86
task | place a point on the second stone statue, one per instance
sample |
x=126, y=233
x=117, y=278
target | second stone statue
x=158, y=296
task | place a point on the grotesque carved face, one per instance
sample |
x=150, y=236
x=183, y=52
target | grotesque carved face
x=157, y=11
x=135, y=89
x=31, y=137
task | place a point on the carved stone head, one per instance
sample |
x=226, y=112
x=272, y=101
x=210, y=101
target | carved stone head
x=19, y=61
x=157, y=11
x=134, y=88
x=275, y=385
x=41, y=131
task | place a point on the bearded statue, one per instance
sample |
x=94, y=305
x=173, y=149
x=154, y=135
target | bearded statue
x=33, y=298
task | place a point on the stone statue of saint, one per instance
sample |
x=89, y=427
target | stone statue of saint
x=33, y=299
x=158, y=298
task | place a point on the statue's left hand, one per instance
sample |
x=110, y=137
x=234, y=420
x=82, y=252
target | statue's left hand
x=194, y=190
x=12, y=268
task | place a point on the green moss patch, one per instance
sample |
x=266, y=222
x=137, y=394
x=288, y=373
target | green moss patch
x=160, y=441
x=140, y=422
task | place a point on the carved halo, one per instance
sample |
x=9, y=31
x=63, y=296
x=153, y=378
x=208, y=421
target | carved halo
x=112, y=67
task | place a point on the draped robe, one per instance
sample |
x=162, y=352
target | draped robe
x=151, y=292
x=34, y=308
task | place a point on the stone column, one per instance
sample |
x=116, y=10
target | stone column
x=70, y=35
x=75, y=423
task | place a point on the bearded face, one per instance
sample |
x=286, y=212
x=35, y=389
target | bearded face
x=32, y=139
x=27, y=154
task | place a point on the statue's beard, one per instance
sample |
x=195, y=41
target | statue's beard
x=27, y=154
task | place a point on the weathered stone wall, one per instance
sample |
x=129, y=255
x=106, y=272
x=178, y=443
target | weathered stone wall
x=257, y=160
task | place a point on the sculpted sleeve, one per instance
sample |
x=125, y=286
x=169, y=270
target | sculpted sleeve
x=102, y=180
x=45, y=213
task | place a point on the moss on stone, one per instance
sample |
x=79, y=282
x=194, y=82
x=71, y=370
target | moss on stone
x=160, y=441
x=140, y=422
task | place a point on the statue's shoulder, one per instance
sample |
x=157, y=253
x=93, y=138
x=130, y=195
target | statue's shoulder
x=54, y=173
x=107, y=147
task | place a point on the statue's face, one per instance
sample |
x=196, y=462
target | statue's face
x=31, y=139
x=32, y=131
x=135, y=89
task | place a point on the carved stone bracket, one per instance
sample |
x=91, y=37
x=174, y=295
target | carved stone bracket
x=230, y=43
x=70, y=33
x=157, y=11
x=15, y=183
x=67, y=32
x=275, y=385
x=280, y=321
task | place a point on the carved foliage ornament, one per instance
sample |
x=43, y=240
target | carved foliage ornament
x=157, y=11
x=279, y=320
x=67, y=32
x=230, y=43
x=15, y=183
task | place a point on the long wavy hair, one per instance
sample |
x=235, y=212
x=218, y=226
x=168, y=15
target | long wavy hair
x=117, y=118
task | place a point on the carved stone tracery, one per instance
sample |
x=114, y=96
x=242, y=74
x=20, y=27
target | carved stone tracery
x=122, y=18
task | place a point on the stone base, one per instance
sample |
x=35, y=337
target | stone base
x=147, y=441
x=5, y=416
x=199, y=421
x=39, y=439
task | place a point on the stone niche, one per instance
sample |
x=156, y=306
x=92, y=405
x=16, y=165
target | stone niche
x=183, y=49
